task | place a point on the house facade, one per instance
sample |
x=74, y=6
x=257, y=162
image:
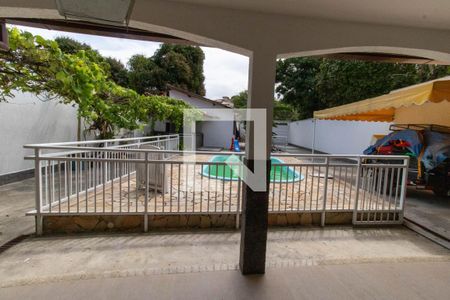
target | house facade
x=210, y=134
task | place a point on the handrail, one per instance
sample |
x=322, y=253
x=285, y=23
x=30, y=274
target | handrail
x=115, y=149
x=45, y=145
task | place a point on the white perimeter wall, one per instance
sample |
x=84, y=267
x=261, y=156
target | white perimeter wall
x=336, y=137
x=24, y=120
x=215, y=133
x=281, y=128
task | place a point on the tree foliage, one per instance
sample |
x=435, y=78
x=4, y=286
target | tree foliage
x=240, y=100
x=144, y=76
x=281, y=111
x=311, y=84
x=296, y=84
x=178, y=65
x=116, y=69
x=34, y=64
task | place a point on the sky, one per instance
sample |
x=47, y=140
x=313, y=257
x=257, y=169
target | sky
x=226, y=73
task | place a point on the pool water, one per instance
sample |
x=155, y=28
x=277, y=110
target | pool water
x=225, y=172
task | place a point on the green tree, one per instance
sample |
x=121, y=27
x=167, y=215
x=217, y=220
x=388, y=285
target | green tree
x=144, y=76
x=341, y=82
x=183, y=66
x=34, y=64
x=240, y=100
x=177, y=65
x=296, y=81
x=311, y=84
x=117, y=71
x=71, y=46
x=281, y=111
x=284, y=112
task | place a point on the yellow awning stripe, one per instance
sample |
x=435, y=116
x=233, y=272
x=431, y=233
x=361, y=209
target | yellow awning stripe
x=382, y=108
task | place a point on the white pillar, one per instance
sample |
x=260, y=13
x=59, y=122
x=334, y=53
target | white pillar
x=255, y=204
x=261, y=85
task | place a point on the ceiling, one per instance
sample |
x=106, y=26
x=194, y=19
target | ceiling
x=412, y=13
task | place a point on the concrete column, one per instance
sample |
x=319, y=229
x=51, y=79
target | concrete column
x=255, y=204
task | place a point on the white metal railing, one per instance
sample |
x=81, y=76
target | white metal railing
x=371, y=187
x=150, y=175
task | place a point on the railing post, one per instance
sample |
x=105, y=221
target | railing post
x=38, y=190
x=325, y=190
x=238, y=205
x=403, y=191
x=358, y=175
x=147, y=179
x=106, y=163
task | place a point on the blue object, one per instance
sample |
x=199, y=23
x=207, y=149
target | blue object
x=438, y=149
x=236, y=146
x=437, y=144
x=411, y=136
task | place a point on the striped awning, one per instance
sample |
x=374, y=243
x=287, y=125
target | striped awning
x=383, y=108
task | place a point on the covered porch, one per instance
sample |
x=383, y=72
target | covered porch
x=264, y=32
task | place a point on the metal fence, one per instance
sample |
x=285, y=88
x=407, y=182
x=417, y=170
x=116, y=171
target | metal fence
x=149, y=175
x=371, y=187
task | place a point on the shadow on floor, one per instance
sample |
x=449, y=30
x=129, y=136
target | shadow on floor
x=15, y=200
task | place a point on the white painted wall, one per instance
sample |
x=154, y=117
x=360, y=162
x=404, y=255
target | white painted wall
x=336, y=137
x=26, y=119
x=215, y=133
x=160, y=126
x=281, y=128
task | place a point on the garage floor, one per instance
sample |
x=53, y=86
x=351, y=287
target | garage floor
x=429, y=211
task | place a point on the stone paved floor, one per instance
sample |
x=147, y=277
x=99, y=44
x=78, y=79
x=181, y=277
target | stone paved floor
x=412, y=280
x=70, y=258
x=15, y=200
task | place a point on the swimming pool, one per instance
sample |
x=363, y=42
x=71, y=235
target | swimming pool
x=225, y=172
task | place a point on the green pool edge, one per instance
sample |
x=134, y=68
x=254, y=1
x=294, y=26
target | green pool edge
x=297, y=175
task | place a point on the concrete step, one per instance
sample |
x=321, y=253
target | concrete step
x=427, y=232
